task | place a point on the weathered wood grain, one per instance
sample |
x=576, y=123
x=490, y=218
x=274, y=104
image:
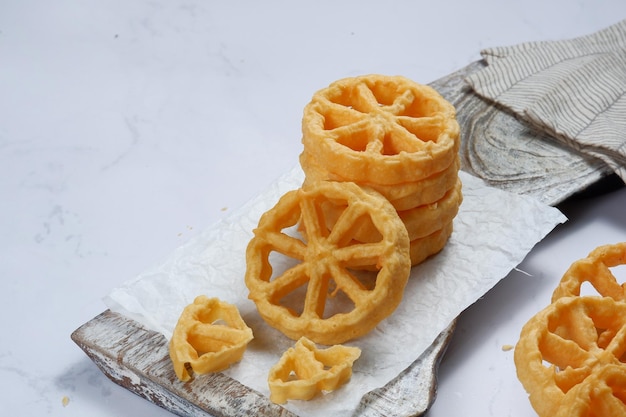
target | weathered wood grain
x=412, y=392
x=137, y=359
x=510, y=154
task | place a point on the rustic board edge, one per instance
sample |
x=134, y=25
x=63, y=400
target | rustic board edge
x=414, y=390
x=137, y=359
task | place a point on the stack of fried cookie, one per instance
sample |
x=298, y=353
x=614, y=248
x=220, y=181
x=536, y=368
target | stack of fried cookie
x=397, y=137
x=330, y=260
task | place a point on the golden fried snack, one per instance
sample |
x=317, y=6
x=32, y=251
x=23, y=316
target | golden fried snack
x=404, y=195
x=210, y=336
x=431, y=189
x=595, y=269
x=569, y=343
x=424, y=247
x=319, y=295
x=380, y=130
x=427, y=219
x=602, y=393
x=419, y=222
x=303, y=371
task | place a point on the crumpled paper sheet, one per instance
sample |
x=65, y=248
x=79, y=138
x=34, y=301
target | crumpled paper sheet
x=493, y=232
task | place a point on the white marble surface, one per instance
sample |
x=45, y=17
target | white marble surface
x=127, y=127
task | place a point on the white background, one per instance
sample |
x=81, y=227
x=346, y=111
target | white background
x=127, y=127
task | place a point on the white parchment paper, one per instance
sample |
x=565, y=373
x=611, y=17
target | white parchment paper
x=493, y=232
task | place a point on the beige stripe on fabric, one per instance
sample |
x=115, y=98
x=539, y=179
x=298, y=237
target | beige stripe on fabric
x=575, y=90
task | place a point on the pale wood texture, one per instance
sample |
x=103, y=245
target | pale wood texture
x=511, y=155
x=496, y=146
x=137, y=359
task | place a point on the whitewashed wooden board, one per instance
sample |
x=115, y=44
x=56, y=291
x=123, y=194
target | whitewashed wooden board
x=511, y=155
x=138, y=359
x=495, y=146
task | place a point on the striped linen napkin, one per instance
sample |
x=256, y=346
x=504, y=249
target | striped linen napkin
x=574, y=90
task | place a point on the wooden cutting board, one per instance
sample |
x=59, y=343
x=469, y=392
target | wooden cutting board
x=495, y=146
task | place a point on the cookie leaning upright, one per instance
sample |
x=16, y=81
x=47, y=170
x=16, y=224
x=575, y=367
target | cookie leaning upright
x=319, y=295
x=396, y=136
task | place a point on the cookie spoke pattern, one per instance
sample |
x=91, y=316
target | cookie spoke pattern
x=322, y=260
x=388, y=142
x=566, y=348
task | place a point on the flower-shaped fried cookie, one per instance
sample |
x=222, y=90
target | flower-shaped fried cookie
x=569, y=345
x=318, y=290
x=305, y=370
x=596, y=270
x=601, y=394
x=210, y=336
x=380, y=129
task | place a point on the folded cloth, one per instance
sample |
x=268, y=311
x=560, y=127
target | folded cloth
x=574, y=90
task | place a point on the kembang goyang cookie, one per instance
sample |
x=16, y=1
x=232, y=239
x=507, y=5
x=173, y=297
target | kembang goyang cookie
x=305, y=370
x=396, y=136
x=571, y=356
x=310, y=280
x=595, y=269
x=602, y=393
x=564, y=351
x=209, y=336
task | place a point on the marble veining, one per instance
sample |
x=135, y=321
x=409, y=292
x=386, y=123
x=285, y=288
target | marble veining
x=128, y=127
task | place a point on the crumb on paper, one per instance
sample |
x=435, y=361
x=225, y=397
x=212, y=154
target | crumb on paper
x=65, y=400
x=506, y=348
x=224, y=209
